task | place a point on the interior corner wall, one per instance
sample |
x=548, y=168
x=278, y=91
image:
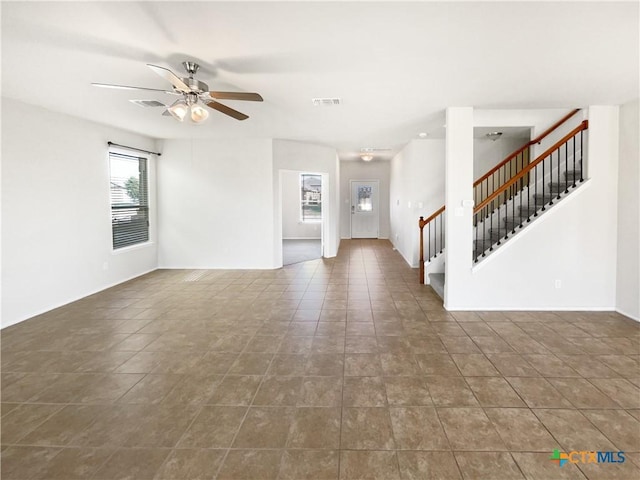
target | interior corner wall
x=488, y=153
x=416, y=189
x=628, y=264
x=306, y=157
x=215, y=202
x=56, y=214
x=565, y=244
x=292, y=225
x=359, y=170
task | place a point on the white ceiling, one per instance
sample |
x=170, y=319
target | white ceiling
x=396, y=66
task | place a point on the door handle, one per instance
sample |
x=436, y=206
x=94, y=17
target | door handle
x=353, y=209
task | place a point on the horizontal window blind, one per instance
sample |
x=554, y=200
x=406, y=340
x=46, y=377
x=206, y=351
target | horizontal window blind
x=129, y=200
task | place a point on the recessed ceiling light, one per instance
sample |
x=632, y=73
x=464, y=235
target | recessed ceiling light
x=423, y=134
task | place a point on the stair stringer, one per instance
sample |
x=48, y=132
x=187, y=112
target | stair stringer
x=529, y=228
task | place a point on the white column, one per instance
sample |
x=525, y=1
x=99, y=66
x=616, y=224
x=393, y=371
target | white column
x=459, y=187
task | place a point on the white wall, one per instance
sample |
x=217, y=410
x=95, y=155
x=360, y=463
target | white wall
x=416, y=189
x=292, y=226
x=488, y=153
x=215, y=204
x=564, y=244
x=56, y=230
x=306, y=157
x=359, y=170
x=538, y=120
x=628, y=265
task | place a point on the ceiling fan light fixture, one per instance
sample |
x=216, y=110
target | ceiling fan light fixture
x=178, y=110
x=198, y=113
x=493, y=136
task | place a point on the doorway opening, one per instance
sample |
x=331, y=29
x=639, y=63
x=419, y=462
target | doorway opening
x=302, y=216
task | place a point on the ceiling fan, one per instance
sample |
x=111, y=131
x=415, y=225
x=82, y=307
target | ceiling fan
x=193, y=95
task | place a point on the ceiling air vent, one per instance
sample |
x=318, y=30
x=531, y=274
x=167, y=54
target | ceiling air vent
x=147, y=103
x=325, y=102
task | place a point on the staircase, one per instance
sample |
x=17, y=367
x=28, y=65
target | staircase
x=535, y=204
x=526, y=191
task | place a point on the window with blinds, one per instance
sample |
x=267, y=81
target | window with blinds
x=129, y=200
x=310, y=197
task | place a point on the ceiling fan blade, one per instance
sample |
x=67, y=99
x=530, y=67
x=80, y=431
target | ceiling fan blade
x=227, y=110
x=170, y=77
x=127, y=87
x=252, y=97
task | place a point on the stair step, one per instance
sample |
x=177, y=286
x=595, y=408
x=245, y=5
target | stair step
x=540, y=199
x=561, y=187
x=527, y=211
x=482, y=243
x=512, y=222
x=498, y=233
x=573, y=175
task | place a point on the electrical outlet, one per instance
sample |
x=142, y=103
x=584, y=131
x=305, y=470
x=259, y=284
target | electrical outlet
x=558, y=283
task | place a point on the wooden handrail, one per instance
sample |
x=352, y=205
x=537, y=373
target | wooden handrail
x=422, y=223
x=583, y=126
x=538, y=139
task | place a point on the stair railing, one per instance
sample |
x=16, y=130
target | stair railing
x=512, y=165
x=531, y=180
x=435, y=238
x=496, y=177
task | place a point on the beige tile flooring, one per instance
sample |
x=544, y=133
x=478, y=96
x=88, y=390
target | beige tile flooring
x=342, y=368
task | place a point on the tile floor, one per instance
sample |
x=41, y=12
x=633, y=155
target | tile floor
x=342, y=368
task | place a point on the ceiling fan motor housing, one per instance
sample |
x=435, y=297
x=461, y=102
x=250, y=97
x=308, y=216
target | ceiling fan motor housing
x=196, y=86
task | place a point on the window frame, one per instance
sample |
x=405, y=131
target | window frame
x=302, y=201
x=144, y=206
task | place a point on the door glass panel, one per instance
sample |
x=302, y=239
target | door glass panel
x=364, y=199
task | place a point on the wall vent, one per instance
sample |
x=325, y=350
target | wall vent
x=325, y=102
x=148, y=103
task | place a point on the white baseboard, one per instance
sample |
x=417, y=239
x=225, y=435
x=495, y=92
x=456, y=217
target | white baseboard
x=528, y=309
x=626, y=314
x=301, y=238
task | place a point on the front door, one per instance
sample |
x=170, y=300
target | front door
x=364, y=209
